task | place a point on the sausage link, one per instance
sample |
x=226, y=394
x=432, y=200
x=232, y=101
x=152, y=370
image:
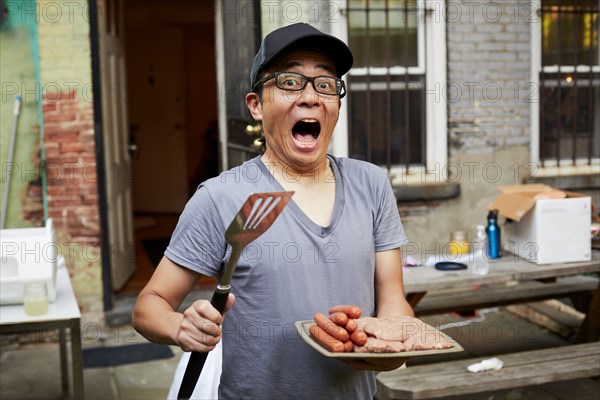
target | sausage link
x=348, y=346
x=349, y=310
x=326, y=340
x=351, y=325
x=330, y=327
x=339, y=318
x=359, y=338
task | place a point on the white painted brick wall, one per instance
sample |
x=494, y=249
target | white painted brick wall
x=488, y=73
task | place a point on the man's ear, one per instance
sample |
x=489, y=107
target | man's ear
x=254, y=105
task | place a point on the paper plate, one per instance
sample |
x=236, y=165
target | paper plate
x=302, y=327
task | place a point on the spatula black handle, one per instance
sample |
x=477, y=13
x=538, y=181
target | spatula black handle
x=197, y=360
x=219, y=298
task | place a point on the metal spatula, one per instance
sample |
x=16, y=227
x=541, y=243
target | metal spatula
x=256, y=216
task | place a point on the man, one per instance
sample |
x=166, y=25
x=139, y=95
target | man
x=336, y=243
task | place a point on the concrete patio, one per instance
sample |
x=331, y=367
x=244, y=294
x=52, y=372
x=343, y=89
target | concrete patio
x=31, y=371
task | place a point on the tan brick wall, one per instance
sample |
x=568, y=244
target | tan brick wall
x=66, y=89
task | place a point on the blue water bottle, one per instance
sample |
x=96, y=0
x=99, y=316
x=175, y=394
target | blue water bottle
x=493, y=234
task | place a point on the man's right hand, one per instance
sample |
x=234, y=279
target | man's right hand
x=200, y=328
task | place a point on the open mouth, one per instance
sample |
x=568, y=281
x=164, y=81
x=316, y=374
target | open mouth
x=306, y=130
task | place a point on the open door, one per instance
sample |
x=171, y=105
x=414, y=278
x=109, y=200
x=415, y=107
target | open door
x=156, y=87
x=116, y=141
x=237, y=40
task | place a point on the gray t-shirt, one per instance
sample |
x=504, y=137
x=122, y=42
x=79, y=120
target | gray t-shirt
x=293, y=270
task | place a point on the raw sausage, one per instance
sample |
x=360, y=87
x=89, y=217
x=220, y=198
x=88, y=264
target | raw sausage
x=339, y=318
x=351, y=325
x=331, y=328
x=359, y=338
x=348, y=346
x=326, y=340
x=349, y=310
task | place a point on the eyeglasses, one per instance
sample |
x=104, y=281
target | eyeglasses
x=295, y=82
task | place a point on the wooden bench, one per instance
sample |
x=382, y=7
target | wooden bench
x=437, y=302
x=520, y=369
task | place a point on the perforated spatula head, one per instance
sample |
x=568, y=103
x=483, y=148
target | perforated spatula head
x=256, y=216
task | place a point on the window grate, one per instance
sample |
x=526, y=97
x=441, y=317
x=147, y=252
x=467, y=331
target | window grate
x=569, y=82
x=387, y=86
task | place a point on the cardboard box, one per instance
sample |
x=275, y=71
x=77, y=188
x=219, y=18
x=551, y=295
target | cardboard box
x=545, y=225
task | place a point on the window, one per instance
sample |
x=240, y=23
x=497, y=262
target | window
x=566, y=63
x=399, y=51
x=394, y=115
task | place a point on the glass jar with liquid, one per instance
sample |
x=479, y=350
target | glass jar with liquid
x=35, y=299
x=458, y=243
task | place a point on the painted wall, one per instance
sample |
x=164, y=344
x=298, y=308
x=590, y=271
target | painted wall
x=18, y=38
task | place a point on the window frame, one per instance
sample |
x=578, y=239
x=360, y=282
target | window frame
x=550, y=167
x=432, y=49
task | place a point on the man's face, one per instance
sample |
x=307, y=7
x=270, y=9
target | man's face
x=297, y=125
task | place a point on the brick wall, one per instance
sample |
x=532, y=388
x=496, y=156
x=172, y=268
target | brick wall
x=488, y=74
x=67, y=98
x=71, y=167
x=488, y=65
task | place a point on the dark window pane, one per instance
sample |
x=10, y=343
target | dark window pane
x=367, y=37
x=570, y=32
x=407, y=123
x=387, y=112
x=570, y=125
x=570, y=101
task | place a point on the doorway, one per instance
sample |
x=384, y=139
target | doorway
x=169, y=52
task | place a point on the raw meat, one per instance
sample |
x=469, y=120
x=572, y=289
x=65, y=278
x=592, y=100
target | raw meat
x=399, y=328
x=399, y=334
x=375, y=345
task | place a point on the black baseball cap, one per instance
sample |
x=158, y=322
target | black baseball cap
x=300, y=36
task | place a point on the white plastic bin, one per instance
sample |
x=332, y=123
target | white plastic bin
x=27, y=255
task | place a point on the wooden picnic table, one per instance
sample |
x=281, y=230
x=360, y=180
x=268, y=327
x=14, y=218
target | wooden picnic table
x=507, y=269
x=418, y=281
x=511, y=280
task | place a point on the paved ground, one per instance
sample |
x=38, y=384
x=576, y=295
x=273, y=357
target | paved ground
x=32, y=370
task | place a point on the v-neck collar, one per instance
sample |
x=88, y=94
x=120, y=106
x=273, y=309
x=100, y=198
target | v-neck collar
x=338, y=207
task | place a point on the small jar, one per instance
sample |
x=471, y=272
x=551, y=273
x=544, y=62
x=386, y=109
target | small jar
x=35, y=299
x=458, y=243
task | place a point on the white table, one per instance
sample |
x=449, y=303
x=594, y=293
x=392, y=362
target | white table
x=62, y=314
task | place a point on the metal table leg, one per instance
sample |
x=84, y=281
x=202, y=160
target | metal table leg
x=64, y=373
x=76, y=359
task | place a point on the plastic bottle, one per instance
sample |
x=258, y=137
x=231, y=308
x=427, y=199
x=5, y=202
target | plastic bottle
x=493, y=234
x=481, y=265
